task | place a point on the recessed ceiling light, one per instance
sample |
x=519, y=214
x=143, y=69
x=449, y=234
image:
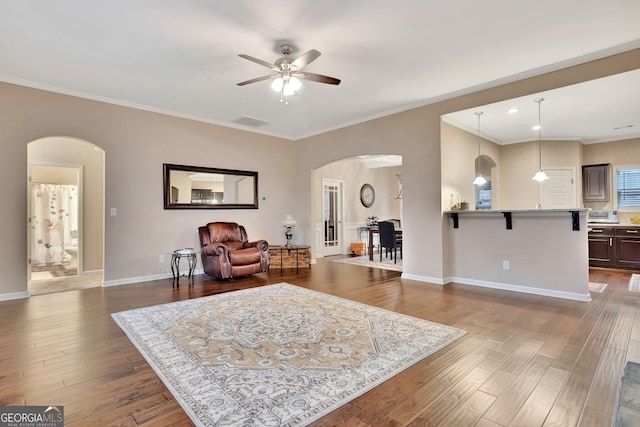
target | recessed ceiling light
x=512, y=110
x=536, y=127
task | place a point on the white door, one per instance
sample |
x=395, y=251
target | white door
x=332, y=214
x=559, y=191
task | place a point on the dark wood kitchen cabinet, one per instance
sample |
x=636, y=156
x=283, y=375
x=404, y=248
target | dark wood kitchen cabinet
x=595, y=183
x=614, y=247
x=601, y=246
x=627, y=247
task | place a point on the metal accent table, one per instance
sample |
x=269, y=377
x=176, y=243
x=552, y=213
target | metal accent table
x=176, y=256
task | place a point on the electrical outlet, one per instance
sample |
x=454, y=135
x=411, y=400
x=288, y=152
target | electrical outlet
x=505, y=265
x=161, y=258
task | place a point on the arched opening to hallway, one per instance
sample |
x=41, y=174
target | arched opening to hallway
x=65, y=236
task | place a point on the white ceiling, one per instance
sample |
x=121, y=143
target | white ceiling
x=180, y=56
x=605, y=109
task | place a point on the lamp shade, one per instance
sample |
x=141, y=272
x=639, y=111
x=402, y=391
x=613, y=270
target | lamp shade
x=540, y=176
x=289, y=221
x=287, y=90
x=479, y=180
x=295, y=83
x=276, y=85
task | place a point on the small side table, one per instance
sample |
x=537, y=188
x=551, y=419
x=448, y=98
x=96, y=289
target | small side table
x=176, y=256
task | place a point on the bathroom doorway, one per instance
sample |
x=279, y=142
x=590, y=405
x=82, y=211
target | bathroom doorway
x=65, y=211
x=54, y=220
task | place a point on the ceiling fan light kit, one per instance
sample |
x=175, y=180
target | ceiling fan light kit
x=287, y=80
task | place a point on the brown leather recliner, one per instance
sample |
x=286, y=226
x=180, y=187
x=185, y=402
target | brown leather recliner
x=227, y=253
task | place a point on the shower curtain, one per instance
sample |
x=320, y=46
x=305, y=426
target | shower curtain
x=54, y=222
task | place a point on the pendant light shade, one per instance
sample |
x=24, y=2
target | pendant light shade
x=540, y=176
x=479, y=178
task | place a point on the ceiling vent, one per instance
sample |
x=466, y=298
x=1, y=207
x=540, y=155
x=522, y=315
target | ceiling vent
x=251, y=121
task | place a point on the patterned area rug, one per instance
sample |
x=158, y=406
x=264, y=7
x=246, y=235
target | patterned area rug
x=634, y=283
x=597, y=287
x=277, y=355
x=386, y=263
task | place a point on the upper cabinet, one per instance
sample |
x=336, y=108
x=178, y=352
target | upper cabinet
x=595, y=183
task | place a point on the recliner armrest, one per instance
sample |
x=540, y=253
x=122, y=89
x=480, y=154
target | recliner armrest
x=215, y=249
x=261, y=244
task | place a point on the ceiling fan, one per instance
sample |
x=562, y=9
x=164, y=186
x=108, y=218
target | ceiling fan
x=288, y=72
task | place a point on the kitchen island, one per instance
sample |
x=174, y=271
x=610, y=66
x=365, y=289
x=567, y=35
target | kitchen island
x=537, y=251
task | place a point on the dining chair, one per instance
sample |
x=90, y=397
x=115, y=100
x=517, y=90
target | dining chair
x=389, y=240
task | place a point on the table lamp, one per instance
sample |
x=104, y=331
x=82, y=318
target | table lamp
x=288, y=223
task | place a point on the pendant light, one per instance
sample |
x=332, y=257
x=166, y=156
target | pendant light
x=540, y=176
x=479, y=179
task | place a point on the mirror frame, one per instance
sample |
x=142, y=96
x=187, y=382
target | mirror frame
x=168, y=168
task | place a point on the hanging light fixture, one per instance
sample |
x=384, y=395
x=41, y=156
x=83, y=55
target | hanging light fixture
x=540, y=176
x=479, y=179
x=287, y=85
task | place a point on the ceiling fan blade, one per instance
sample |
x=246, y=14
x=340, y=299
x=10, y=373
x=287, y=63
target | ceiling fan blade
x=320, y=78
x=305, y=59
x=257, y=79
x=259, y=61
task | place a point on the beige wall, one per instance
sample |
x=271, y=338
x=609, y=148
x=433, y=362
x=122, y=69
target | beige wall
x=520, y=162
x=355, y=174
x=54, y=175
x=516, y=164
x=137, y=143
x=459, y=151
x=512, y=183
x=617, y=153
x=415, y=135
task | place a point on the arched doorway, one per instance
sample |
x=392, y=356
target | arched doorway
x=382, y=172
x=66, y=214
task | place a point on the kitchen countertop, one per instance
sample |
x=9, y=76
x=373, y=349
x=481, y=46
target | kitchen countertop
x=609, y=224
x=542, y=211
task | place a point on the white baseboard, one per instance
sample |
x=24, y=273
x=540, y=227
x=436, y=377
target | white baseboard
x=92, y=272
x=427, y=279
x=502, y=286
x=130, y=280
x=523, y=289
x=14, y=295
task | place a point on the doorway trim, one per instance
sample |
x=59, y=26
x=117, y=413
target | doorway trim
x=338, y=248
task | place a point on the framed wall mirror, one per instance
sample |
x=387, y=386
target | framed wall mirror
x=196, y=187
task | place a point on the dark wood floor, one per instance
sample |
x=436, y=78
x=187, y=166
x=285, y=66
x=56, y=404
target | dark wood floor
x=526, y=360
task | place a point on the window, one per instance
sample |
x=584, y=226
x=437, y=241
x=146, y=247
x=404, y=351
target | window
x=628, y=186
x=483, y=196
